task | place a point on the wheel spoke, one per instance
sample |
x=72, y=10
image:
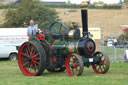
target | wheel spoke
x=32, y=49
x=25, y=59
x=35, y=55
x=77, y=68
x=101, y=69
x=30, y=67
x=25, y=63
x=33, y=67
x=73, y=71
x=27, y=52
x=103, y=66
x=35, y=62
x=98, y=68
x=71, y=61
x=36, y=66
x=28, y=47
x=24, y=54
x=101, y=62
x=75, y=65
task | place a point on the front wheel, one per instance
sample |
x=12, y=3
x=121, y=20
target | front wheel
x=74, y=65
x=103, y=66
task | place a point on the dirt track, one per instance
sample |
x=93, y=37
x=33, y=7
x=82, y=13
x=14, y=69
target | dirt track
x=110, y=20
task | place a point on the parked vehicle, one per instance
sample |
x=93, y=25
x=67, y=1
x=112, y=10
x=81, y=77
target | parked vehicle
x=7, y=51
x=9, y=39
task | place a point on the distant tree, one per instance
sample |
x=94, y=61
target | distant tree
x=18, y=1
x=30, y=10
x=99, y=2
x=125, y=1
x=68, y=2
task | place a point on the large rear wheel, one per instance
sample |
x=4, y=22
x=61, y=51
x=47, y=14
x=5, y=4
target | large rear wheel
x=32, y=59
x=74, y=65
x=103, y=66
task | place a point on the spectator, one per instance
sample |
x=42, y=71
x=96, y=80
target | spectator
x=31, y=30
x=115, y=42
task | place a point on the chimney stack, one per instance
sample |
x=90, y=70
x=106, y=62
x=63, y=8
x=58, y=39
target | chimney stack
x=84, y=16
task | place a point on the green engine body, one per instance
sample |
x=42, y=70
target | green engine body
x=58, y=42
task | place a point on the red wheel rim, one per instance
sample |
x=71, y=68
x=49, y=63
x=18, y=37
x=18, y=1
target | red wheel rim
x=103, y=64
x=29, y=59
x=72, y=65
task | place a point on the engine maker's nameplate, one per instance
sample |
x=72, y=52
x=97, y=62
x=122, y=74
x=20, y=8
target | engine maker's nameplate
x=71, y=48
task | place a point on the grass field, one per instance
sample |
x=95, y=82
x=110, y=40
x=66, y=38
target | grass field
x=10, y=74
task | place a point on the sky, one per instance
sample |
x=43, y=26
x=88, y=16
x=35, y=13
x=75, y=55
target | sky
x=79, y=1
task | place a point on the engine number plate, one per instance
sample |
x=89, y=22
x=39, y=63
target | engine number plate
x=90, y=59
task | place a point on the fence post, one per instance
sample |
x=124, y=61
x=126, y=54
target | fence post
x=115, y=54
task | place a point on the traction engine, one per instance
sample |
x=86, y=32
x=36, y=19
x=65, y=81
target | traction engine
x=60, y=49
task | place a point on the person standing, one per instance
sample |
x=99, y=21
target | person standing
x=115, y=42
x=31, y=30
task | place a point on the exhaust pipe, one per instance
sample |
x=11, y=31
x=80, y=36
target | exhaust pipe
x=84, y=14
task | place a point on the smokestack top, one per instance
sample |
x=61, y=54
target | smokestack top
x=84, y=4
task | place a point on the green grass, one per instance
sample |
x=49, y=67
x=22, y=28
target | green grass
x=10, y=74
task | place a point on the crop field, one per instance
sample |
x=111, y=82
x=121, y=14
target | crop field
x=109, y=20
x=10, y=74
x=2, y=16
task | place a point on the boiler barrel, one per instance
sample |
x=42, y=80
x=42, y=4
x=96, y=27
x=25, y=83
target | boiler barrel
x=82, y=47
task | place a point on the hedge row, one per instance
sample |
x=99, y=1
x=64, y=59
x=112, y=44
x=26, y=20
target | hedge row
x=14, y=5
x=90, y=6
x=105, y=7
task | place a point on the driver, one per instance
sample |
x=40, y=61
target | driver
x=31, y=30
x=77, y=30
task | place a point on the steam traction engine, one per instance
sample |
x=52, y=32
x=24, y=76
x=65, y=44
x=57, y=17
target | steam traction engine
x=60, y=49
